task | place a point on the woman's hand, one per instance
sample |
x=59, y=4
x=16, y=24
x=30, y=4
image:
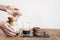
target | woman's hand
x=13, y=11
x=6, y=28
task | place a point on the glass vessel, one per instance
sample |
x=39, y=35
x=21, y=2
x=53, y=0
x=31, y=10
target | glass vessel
x=26, y=27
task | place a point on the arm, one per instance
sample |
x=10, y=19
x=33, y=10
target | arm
x=11, y=10
x=3, y=7
x=4, y=26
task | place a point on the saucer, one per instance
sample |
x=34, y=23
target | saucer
x=42, y=34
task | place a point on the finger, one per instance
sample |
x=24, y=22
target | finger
x=17, y=13
x=16, y=9
x=12, y=8
x=8, y=33
x=9, y=11
x=11, y=31
x=5, y=32
x=9, y=28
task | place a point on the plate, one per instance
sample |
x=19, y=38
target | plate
x=42, y=34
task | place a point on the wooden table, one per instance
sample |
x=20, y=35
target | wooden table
x=54, y=35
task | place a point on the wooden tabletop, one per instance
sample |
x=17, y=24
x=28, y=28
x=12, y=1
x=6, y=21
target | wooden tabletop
x=53, y=33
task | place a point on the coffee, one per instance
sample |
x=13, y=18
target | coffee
x=26, y=32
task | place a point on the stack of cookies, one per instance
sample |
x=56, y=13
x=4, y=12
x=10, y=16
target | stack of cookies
x=36, y=31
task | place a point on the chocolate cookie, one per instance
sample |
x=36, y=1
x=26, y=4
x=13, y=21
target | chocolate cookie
x=36, y=29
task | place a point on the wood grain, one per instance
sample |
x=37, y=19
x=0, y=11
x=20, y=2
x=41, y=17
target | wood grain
x=54, y=35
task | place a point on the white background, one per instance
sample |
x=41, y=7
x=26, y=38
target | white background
x=41, y=13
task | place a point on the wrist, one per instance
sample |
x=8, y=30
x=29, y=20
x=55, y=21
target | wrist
x=3, y=8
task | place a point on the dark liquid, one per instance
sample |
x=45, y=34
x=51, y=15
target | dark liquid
x=26, y=32
x=17, y=34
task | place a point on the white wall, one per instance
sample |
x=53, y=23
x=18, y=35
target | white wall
x=42, y=13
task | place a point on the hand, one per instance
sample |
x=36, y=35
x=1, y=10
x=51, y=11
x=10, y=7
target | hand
x=6, y=28
x=13, y=11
